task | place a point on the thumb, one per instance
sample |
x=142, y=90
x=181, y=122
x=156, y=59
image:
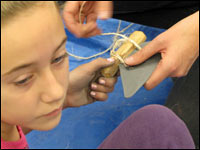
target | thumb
x=104, y=9
x=99, y=63
x=149, y=50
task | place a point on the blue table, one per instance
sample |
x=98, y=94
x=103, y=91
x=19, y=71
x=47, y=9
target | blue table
x=86, y=127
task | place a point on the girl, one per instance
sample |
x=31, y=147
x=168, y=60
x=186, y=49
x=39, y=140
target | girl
x=35, y=82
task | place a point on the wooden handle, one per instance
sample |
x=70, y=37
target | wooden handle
x=124, y=51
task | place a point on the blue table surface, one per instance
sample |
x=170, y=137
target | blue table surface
x=86, y=127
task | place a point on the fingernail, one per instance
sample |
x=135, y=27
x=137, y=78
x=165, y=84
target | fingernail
x=111, y=60
x=94, y=86
x=129, y=60
x=93, y=93
x=102, y=81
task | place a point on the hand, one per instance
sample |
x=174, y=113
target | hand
x=91, y=11
x=179, y=48
x=82, y=90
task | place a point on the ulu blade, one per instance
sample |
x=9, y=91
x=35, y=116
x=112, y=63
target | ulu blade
x=133, y=78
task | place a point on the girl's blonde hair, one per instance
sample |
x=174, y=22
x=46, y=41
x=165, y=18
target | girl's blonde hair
x=10, y=9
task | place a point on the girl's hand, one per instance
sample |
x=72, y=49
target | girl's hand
x=82, y=90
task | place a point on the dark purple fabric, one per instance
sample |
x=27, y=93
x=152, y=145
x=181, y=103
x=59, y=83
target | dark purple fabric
x=152, y=127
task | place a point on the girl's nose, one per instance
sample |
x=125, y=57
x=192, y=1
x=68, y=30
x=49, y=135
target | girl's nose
x=52, y=90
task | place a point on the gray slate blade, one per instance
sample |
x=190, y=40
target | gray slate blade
x=133, y=78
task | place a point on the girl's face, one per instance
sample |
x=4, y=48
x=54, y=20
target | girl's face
x=34, y=68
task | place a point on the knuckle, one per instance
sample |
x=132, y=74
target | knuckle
x=106, y=97
x=100, y=59
x=181, y=74
x=102, y=97
x=178, y=75
x=140, y=54
x=112, y=89
x=160, y=40
x=110, y=85
x=115, y=80
x=79, y=34
x=171, y=66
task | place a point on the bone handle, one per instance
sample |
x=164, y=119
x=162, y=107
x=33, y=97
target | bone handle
x=124, y=51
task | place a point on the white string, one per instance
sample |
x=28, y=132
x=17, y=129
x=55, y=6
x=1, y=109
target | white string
x=116, y=43
x=80, y=13
x=130, y=40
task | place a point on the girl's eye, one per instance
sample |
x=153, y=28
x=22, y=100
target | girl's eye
x=60, y=59
x=24, y=81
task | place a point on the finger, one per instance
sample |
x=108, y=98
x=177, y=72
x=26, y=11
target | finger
x=100, y=88
x=83, y=30
x=71, y=7
x=98, y=63
x=108, y=82
x=92, y=17
x=95, y=32
x=72, y=25
x=70, y=12
x=149, y=50
x=99, y=96
x=83, y=19
x=104, y=9
x=89, y=28
x=71, y=19
x=161, y=72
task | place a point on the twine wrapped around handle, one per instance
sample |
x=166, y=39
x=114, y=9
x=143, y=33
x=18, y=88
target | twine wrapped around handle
x=124, y=51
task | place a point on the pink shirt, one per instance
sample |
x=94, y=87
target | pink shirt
x=21, y=144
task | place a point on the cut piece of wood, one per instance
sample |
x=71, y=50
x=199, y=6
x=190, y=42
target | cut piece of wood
x=124, y=51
